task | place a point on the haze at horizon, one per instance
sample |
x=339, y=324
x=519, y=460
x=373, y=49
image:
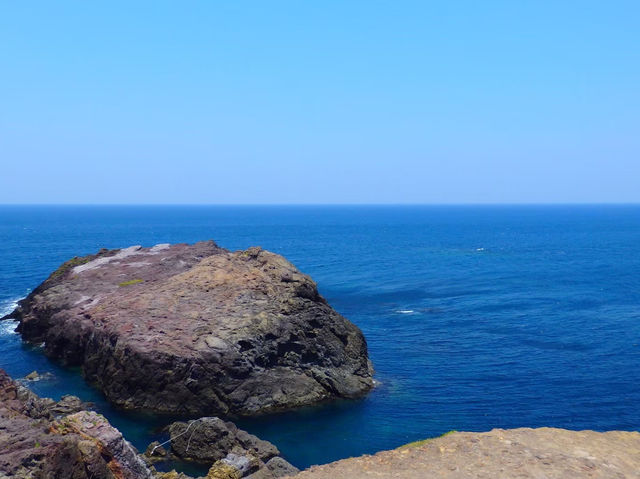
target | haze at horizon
x=365, y=102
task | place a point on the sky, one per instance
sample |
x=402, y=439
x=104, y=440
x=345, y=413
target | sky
x=332, y=102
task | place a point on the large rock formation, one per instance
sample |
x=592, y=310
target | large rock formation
x=197, y=329
x=507, y=454
x=37, y=442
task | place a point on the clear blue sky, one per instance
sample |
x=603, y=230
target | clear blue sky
x=320, y=102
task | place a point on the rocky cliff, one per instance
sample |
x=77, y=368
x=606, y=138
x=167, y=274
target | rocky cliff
x=195, y=329
x=38, y=440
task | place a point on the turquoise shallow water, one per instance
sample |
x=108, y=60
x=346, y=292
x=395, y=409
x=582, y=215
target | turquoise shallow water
x=476, y=317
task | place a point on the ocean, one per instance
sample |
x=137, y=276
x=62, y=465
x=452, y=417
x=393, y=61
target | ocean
x=476, y=317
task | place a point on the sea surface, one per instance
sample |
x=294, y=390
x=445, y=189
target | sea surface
x=476, y=317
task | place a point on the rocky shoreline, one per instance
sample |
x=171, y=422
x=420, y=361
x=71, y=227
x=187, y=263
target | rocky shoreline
x=41, y=439
x=44, y=439
x=197, y=330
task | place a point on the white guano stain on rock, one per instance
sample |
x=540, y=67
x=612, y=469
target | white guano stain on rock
x=159, y=247
x=97, y=263
x=215, y=342
x=82, y=299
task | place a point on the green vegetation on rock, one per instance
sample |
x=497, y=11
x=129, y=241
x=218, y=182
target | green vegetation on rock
x=424, y=441
x=72, y=263
x=131, y=281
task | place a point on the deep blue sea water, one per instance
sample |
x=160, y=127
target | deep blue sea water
x=476, y=317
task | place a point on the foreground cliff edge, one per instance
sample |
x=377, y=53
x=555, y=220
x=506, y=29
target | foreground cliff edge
x=197, y=329
x=499, y=454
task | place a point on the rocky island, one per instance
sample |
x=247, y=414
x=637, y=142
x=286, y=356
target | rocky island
x=196, y=329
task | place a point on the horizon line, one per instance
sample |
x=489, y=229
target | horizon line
x=612, y=203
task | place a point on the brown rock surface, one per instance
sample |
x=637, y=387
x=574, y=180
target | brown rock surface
x=82, y=445
x=514, y=453
x=197, y=329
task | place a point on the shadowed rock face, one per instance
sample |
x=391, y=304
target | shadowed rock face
x=229, y=450
x=36, y=442
x=209, y=439
x=197, y=329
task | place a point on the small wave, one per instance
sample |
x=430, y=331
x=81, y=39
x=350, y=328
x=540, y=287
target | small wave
x=479, y=249
x=8, y=305
x=8, y=326
x=405, y=311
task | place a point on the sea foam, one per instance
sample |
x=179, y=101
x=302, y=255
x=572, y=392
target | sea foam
x=8, y=326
